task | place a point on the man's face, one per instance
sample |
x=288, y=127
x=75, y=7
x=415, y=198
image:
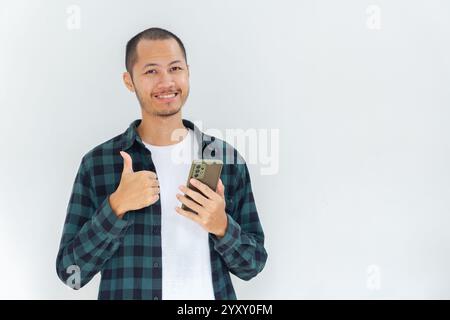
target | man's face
x=160, y=77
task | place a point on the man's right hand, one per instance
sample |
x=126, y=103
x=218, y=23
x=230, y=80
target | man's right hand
x=136, y=190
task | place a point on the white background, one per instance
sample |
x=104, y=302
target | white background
x=360, y=205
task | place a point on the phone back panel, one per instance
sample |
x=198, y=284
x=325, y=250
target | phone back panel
x=207, y=172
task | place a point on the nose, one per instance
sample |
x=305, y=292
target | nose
x=165, y=78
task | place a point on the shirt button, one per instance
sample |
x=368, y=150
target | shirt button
x=156, y=265
x=155, y=230
x=155, y=298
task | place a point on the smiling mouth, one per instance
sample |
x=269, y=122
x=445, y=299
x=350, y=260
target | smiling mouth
x=166, y=96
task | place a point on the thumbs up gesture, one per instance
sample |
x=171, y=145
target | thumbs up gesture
x=136, y=190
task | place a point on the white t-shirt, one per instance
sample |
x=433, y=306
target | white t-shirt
x=186, y=264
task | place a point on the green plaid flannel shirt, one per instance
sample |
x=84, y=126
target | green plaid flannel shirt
x=127, y=252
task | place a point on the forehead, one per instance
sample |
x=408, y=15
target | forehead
x=158, y=51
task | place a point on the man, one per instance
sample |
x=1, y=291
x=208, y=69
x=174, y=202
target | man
x=124, y=217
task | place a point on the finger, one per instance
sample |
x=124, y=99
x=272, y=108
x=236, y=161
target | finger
x=149, y=183
x=127, y=162
x=190, y=204
x=188, y=214
x=204, y=189
x=153, y=183
x=198, y=197
x=154, y=190
x=149, y=174
x=221, y=189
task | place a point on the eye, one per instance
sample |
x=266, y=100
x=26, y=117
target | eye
x=176, y=68
x=151, y=71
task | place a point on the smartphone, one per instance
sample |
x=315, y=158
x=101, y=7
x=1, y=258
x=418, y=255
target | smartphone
x=206, y=171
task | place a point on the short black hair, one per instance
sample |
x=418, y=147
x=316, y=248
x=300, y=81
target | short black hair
x=149, y=34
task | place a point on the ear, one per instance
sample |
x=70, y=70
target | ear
x=128, y=81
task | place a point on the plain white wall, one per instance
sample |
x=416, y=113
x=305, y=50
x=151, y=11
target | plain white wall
x=358, y=90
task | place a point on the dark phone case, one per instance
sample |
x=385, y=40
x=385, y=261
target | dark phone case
x=211, y=177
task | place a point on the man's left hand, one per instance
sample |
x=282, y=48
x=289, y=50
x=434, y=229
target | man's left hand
x=211, y=209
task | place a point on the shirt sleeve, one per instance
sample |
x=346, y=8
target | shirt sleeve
x=91, y=235
x=242, y=246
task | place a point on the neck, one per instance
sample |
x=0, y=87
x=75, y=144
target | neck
x=161, y=131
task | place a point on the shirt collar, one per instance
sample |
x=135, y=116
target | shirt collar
x=131, y=136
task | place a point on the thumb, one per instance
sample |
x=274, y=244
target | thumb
x=127, y=162
x=221, y=189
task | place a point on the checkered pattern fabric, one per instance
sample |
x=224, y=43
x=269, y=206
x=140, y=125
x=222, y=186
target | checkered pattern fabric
x=127, y=252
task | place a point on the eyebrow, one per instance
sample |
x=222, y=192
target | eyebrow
x=155, y=64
